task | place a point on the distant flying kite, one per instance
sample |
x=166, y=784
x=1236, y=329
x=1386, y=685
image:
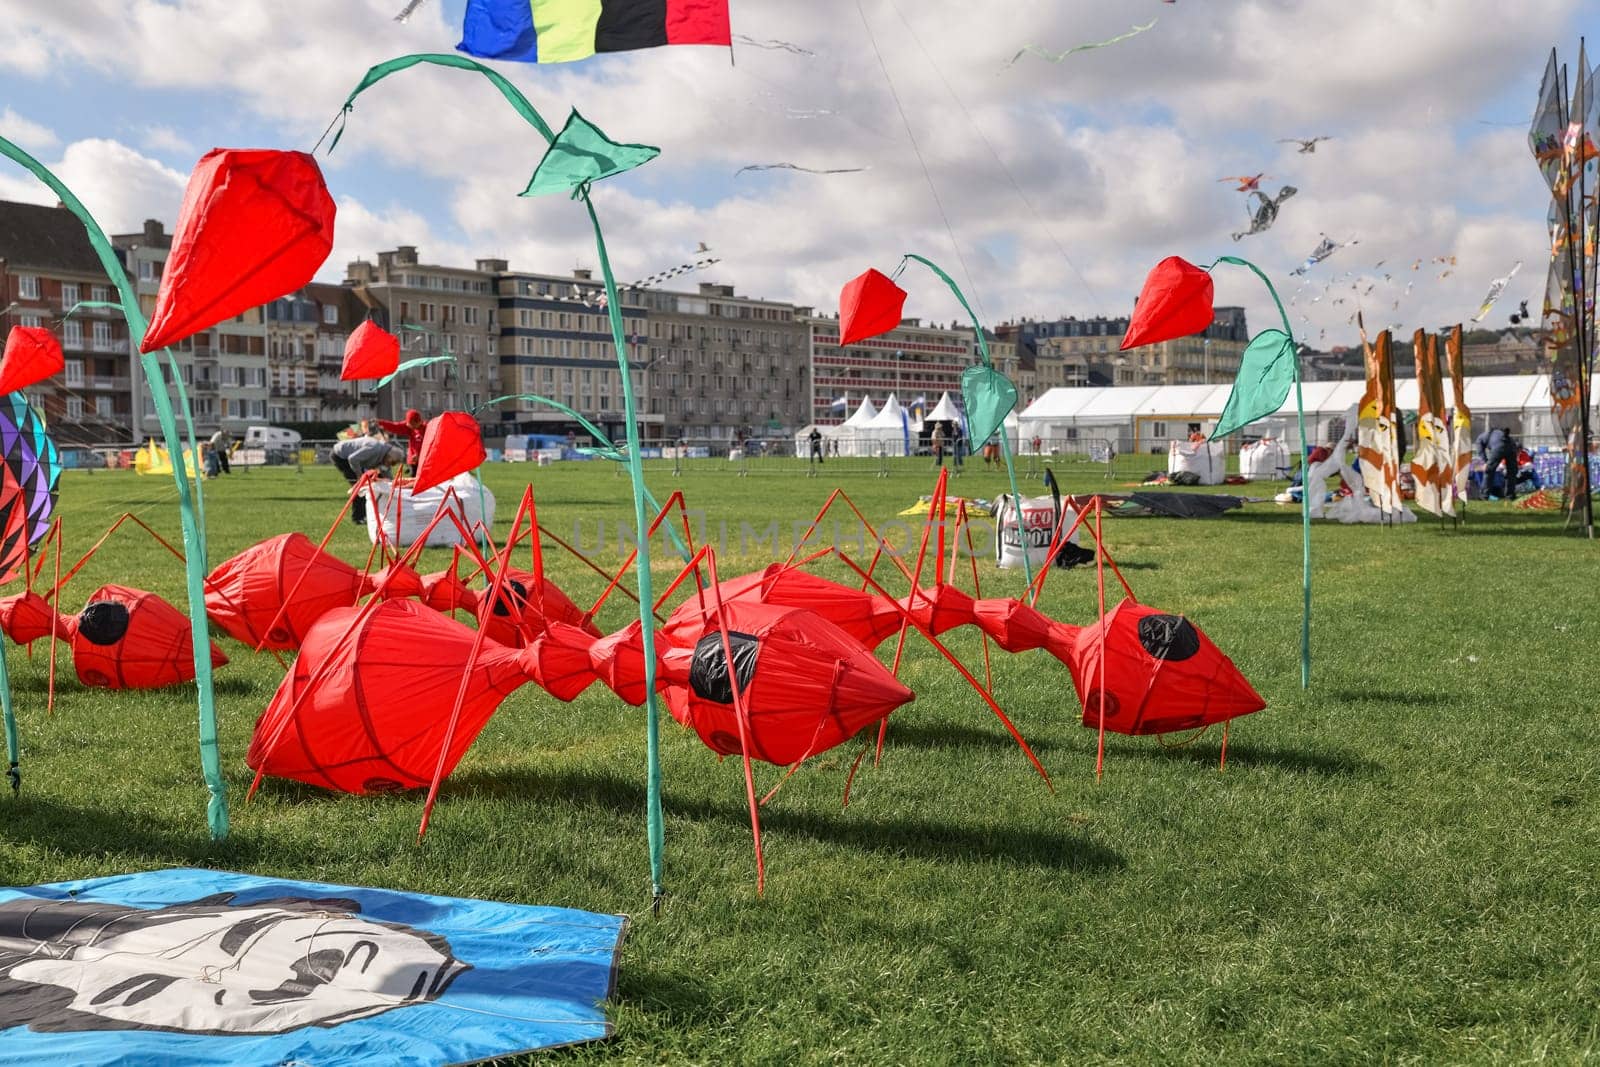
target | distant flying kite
x=804, y=170
x=1305, y=145
x=1056, y=57
x=1265, y=212
x=1247, y=183
x=1325, y=248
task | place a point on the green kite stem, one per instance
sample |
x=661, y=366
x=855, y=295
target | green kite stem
x=194, y=450
x=635, y=469
x=193, y=538
x=607, y=449
x=1005, y=441
x=641, y=564
x=1305, y=478
x=513, y=96
x=13, y=744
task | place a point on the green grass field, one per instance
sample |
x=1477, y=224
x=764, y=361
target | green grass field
x=1399, y=865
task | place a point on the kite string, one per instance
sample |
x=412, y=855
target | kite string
x=917, y=149
x=1010, y=176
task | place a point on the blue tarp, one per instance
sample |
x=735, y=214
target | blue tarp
x=190, y=967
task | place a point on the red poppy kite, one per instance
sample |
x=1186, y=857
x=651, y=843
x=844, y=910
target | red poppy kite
x=371, y=352
x=32, y=355
x=869, y=305
x=451, y=445
x=255, y=224
x=1175, y=302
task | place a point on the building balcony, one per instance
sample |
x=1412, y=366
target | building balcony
x=118, y=383
x=115, y=346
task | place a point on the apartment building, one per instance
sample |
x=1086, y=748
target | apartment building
x=435, y=310
x=910, y=361
x=48, y=268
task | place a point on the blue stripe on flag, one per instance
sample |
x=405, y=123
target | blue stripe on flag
x=500, y=29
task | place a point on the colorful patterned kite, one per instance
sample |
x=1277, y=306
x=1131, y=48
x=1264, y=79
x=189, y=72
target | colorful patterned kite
x=560, y=31
x=1433, y=462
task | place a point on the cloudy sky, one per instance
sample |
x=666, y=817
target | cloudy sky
x=1047, y=188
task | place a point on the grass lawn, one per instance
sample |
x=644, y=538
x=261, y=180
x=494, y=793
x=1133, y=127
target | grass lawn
x=1398, y=865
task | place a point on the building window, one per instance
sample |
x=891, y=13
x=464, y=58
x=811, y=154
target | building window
x=102, y=406
x=74, y=407
x=330, y=314
x=102, y=337
x=147, y=270
x=100, y=294
x=28, y=286
x=72, y=334
x=69, y=295
x=74, y=372
x=33, y=321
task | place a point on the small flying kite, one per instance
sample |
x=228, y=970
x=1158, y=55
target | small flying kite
x=1247, y=183
x=1265, y=212
x=1306, y=146
x=798, y=167
x=1056, y=57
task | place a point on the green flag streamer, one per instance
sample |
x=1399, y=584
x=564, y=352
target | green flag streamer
x=189, y=497
x=985, y=393
x=1266, y=373
x=1293, y=360
x=579, y=156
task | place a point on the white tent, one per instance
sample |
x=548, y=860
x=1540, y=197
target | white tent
x=945, y=411
x=852, y=432
x=1147, y=417
x=886, y=434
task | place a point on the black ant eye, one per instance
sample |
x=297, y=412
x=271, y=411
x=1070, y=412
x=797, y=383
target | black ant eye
x=515, y=596
x=1168, y=637
x=105, y=622
x=708, y=673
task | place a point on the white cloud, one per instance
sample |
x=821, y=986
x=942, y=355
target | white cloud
x=1116, y=151
x=25, y=132
x=120, y=187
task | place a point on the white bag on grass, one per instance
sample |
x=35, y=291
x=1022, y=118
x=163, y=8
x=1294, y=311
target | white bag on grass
x=403, y=515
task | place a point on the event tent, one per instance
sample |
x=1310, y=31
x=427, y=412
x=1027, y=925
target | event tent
x=888, y=433
x=1147, y=417
x=945, y=411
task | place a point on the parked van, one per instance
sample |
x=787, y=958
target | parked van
x=268, y=444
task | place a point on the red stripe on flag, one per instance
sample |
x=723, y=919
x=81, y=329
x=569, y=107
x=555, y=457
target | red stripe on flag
x=698, y=22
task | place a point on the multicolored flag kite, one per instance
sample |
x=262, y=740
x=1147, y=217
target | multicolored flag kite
x=1432, y=465
x=1460, y=423
x=1376, y=442
x=561, y=31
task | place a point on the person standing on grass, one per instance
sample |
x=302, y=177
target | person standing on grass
x=411, y=429
x=938, y=443
x=221, y=442
x=815, y=437
x=958, y=444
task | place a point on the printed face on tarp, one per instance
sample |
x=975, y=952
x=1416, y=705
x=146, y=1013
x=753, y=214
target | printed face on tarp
x=210, y=966
x=194, y=966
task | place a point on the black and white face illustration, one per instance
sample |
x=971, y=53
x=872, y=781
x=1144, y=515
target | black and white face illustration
x=209, y=966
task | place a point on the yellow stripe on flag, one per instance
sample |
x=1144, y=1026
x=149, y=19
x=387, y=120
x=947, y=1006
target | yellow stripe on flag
x=565, y=28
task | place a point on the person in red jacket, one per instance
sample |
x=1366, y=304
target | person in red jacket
x=411, y=429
